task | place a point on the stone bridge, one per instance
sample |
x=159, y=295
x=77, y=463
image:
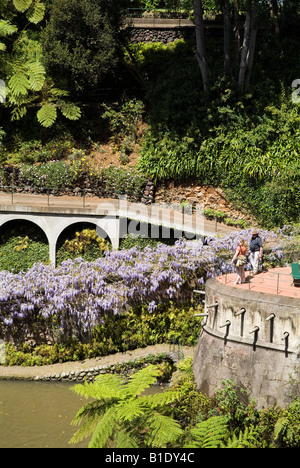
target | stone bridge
x=113, y=218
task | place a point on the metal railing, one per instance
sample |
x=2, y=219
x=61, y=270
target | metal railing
x=60, y=191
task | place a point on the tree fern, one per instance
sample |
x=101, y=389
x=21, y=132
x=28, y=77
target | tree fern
x=245, y=439
x=210, y=433
x=163, y=430
x=24, y=74
x=121, y=415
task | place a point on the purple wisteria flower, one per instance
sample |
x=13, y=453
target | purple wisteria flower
x=78, y=295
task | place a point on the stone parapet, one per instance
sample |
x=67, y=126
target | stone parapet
x=251, y=338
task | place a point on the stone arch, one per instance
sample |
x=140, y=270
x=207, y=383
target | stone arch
x=109, y=229
x=90, y=223
x=39, y=222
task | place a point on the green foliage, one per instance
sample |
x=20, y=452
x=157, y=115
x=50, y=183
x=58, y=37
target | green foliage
x=287, y=427
x=137, y=329
x=121, y=416
x=79, y=42
x=210, y=433
x=123, y=125
x=21, y=246
x=24, y=71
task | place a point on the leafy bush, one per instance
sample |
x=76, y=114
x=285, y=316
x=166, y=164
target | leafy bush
x=85, y=244
x=137, y=329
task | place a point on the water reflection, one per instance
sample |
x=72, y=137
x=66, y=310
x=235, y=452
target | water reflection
x=38, y=414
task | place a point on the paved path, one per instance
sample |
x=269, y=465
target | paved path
x=274, y=281
x=29, y=373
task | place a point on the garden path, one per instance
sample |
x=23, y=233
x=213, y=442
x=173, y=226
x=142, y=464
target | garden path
x=30, y=373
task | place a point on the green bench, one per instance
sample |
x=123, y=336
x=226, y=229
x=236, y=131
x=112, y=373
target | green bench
x=296, y=274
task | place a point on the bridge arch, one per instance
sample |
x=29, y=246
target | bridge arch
x=39, y=222
x=53, y=225
x=76, y=226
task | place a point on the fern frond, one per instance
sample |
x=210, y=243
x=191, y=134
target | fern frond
x=22, y=5
x=2, y=47
x=69, y=110
x=161, y=399
x=130, y=410
x=37, y=73
x=18, y=84
x=163, y=430
x=280, y=427
x=126, y=440
x=6, y=28
x=104, y=430
x=142, y=379
x=245, y=439
x=88, y=416
x=18, y=112
x=36, y=12
x=107, y=386
x=47, y=115
x=210, y=433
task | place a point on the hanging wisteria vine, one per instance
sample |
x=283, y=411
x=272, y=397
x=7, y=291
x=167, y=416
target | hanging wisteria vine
x=75, y=297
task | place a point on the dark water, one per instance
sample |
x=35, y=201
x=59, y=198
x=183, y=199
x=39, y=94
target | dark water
x=38, y=414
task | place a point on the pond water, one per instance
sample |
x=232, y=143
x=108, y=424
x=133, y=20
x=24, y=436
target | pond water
x=38, y=414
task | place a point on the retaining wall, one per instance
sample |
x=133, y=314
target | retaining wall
x=253, y=339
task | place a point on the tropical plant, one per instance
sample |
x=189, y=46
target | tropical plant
x=121, y=416
x=209, y=434
x=23, y=70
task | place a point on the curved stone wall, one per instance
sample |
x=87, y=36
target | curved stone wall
x=253, y=339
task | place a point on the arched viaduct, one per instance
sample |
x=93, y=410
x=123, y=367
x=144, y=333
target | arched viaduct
x=106, y=214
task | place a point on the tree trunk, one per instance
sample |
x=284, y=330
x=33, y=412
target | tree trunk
x=245, y=50
x=273, y=5
x=200, y=42
x=226, y=15
x=237, y=35
x=252, y=42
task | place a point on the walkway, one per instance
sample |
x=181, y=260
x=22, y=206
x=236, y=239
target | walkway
x=31, y=373
x=274, y=281
x=153, y=214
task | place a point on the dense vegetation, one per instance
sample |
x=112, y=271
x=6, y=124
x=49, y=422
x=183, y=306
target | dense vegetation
x=180, y=416
x=245, y=140
x=218, y=110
